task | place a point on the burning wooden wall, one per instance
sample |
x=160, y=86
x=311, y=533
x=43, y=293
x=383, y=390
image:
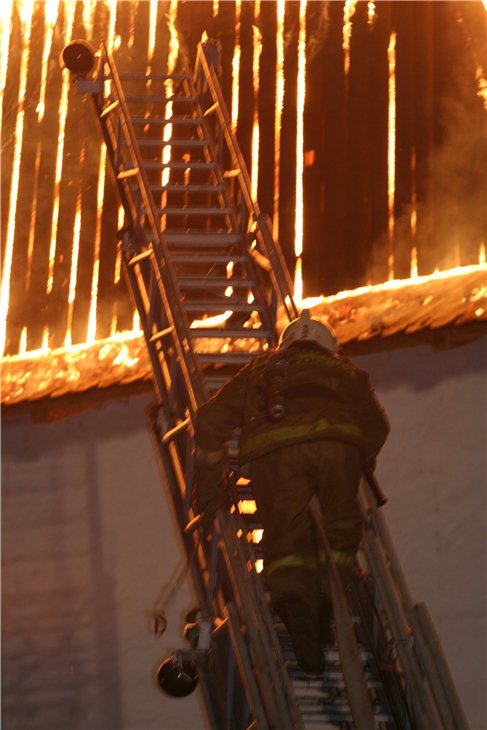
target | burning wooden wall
x=362, y=123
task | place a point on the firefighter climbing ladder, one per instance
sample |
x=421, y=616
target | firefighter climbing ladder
x=207, y=279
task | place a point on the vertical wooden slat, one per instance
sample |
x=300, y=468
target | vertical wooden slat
x=333, y=269
x=37, y=291
x=136, y=62
x=287, y=171
x=404, y=22
x=357, y=221
x=377, y=269
x=424, y=134
x=9, y=117
x=226, y=36
x=89, y=204
x=68, y=196
x=245, y=88
x=266, y=106
x=19, y=306
x=314, y=128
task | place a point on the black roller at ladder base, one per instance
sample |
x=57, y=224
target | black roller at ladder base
x=208, y=279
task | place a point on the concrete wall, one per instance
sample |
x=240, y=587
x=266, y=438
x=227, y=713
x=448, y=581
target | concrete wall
x=88, y=543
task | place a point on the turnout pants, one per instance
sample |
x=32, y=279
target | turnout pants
x=283, y=483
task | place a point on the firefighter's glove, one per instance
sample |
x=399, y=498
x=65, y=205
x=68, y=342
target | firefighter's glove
x=208, y=493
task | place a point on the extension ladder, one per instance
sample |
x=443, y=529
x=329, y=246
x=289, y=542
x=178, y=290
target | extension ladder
x=207, y=279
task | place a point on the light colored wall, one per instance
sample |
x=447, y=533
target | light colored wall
x=88, y=542
x=434, y=470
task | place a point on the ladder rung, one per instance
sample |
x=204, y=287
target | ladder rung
x=212, y=258
x=173, y=210
x=153, y=77
x=110, y=108
x=143, y=142
x=169, y=435
x=179, y=165
x=211, y=282
x=157, y=98
x=202, y=239
x=190, y=188
x=232, y=173
x=204, y=305
x=162, y=333
x=140, y=257
x=226, y=358
x=233, y=334
x=211, y=109
x=130, y=172
x=177, y=119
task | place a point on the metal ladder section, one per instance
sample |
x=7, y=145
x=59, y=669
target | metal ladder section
x=195, y=246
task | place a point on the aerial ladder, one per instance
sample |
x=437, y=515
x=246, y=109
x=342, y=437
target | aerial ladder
x=209, y=283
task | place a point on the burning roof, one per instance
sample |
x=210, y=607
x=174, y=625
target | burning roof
x=365, y=319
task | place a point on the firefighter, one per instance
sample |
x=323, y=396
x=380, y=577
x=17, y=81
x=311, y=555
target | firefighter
x=309, y=424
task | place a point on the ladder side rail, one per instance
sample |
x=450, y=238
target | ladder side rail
x=264, y=660
x=164, y=270
x=434, y=662
x=433, y=644
x=245, y=664
x=363, y=603
x=204, y=567
x=271, y=248
x=424, y=705
x=427, y=644
x=271, y=640
x=123, y=146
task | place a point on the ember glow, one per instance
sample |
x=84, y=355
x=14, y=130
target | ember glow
x=298, y=237
x=236, y=65
x=279, y=101
x=63, y=111
x=391, y=147
x=257, y=50
x=19, y=126
x=348, y=12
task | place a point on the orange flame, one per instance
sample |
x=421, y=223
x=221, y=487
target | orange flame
x=257, y=49
x=301, y=90
x=348, y=12
x=391, y=147
x=236, y=64
x=26, y=16
x=63, y=110
x=279, y=101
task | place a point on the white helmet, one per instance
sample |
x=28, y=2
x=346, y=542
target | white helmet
x=309, y=329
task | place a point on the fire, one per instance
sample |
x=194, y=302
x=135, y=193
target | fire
x=391, y=147
x=63, y=111
x=26, y=15
x=257, y=43
x=74, y=270
x=100, y=192
x=392, y=284
x=50, y=10
x=348, y=12
x=371, y=12
x=279, y=101
x=236, y=65
x=298, y=239
x=171, y=64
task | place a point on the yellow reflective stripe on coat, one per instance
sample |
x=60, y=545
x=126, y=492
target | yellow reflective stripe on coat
x=309, y=561
x=286, y=433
